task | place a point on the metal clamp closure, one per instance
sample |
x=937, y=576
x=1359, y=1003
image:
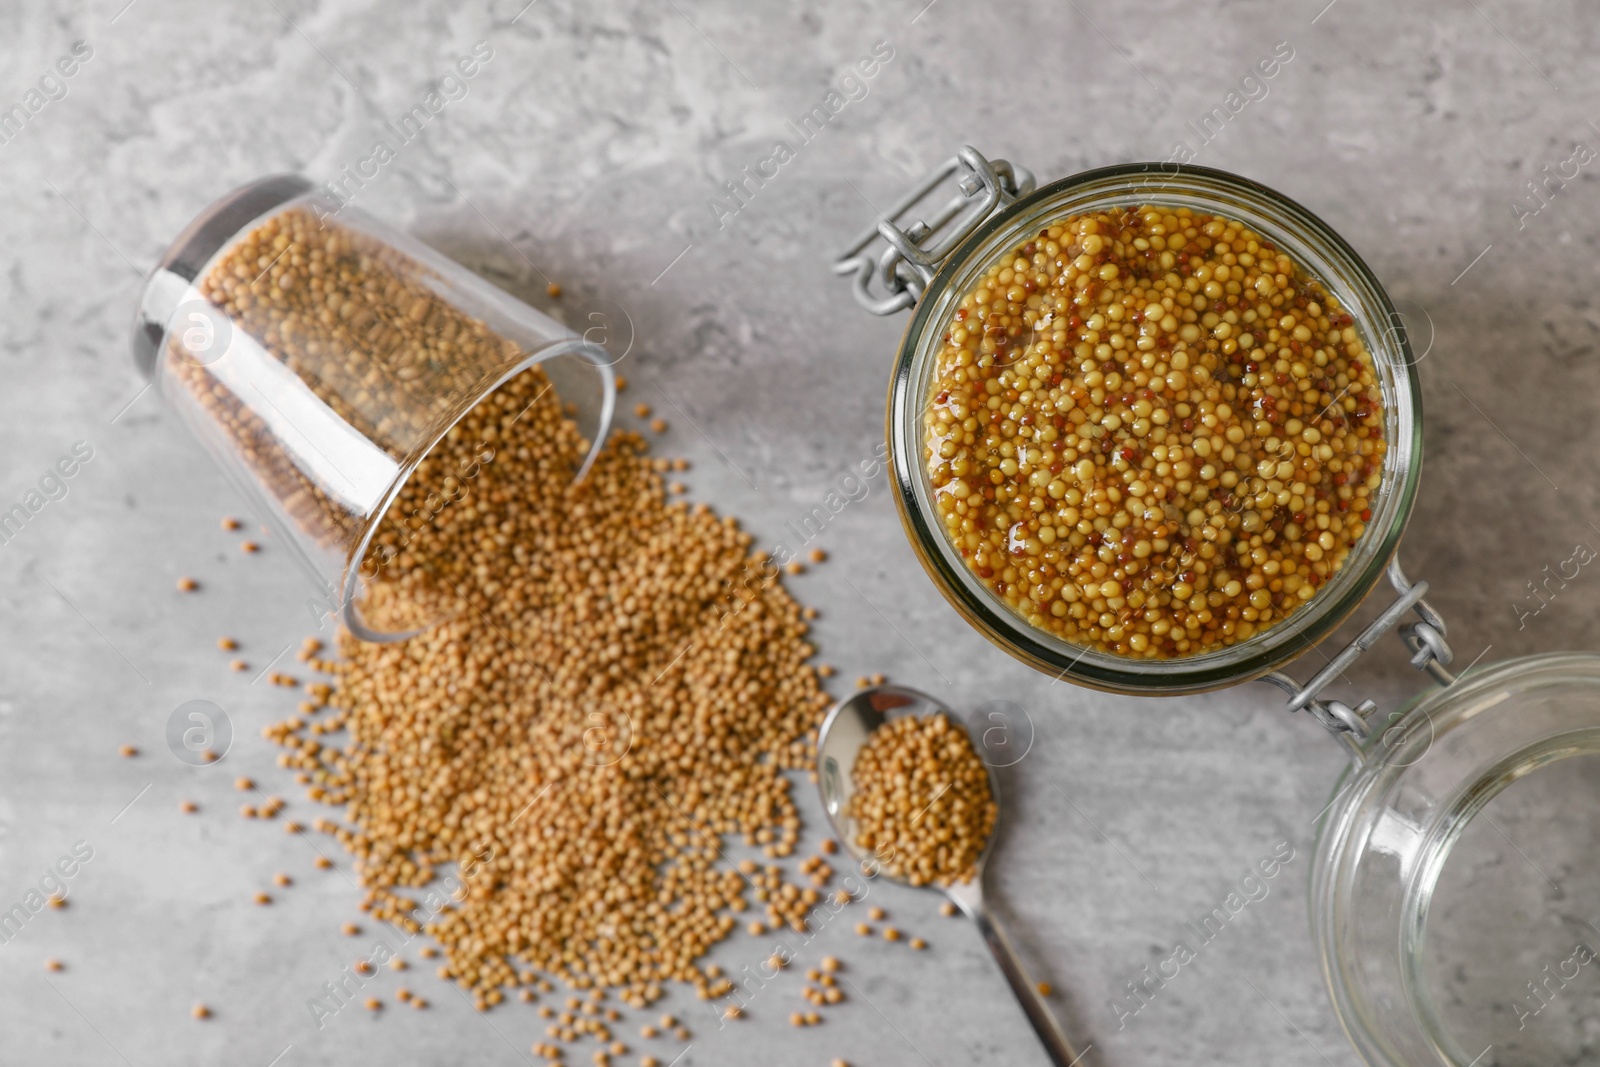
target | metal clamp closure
x=1424, y=637
x=905, y=268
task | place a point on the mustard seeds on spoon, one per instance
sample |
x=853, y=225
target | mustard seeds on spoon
x=922, y=803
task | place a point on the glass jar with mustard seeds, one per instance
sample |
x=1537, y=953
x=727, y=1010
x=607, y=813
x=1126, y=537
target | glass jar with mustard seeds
x=1154, y=428
x=319, y=356
x=1150, y=433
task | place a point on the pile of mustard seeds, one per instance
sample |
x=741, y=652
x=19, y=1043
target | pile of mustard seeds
x=583, y=733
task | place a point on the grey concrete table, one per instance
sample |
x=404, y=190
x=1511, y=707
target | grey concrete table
x=593, y=149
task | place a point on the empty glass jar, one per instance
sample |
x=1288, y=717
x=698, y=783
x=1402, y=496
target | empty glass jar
x=1455, y=895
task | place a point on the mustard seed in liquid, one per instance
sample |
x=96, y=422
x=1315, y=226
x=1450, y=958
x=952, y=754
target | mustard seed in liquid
x=1150, y=433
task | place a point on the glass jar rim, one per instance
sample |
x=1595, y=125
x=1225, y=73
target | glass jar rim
x=350, y=586
x=1321, y=253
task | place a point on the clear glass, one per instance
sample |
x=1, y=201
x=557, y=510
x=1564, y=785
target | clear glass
x=319, y=358
x=1322, y=254
x=1454, y=891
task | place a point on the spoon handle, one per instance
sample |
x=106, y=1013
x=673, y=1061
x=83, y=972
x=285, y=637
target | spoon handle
x=1038, y=1012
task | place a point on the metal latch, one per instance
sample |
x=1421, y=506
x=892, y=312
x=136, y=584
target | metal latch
x=906, y=267
x=1425, y=638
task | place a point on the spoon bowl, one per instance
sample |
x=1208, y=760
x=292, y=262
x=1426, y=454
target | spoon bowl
x=845, y=731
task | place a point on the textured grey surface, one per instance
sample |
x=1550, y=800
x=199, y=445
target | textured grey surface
x=589, y=150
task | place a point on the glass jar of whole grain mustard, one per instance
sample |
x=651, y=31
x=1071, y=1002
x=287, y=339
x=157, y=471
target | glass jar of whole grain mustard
x=1444, y=939
x=319, y=356
x=996, y=231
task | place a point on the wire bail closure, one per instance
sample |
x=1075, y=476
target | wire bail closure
x=986, y=187
x=1425, y=638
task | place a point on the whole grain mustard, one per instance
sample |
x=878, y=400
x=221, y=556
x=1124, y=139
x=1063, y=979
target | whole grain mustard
x=1150, y=433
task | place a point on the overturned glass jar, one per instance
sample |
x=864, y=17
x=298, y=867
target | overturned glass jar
x=319, y=357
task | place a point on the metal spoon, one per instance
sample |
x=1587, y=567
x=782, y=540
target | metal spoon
x=843, y=732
